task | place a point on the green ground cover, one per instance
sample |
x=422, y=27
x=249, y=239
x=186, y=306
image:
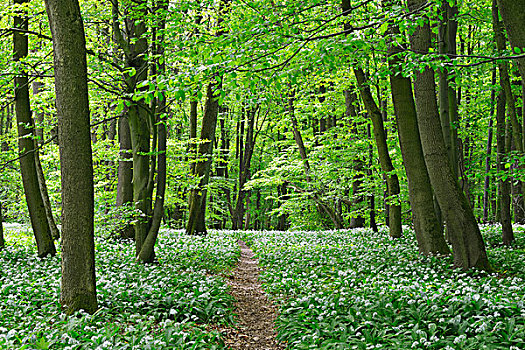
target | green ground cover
x=162, y=306
x=336, y=290
x=361, y=290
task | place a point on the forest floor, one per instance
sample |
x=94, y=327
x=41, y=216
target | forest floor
x=256, y=314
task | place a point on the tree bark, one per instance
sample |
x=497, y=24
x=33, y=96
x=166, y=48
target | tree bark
x=196, y=224
x=78, y=290
x=26, y=142
x=486, y=183
x=357, y=198
x=197, y=204
x=503, y=148
x=2, y=240
x=514, y=19
x=147, y=251
x=384, y=157
x=465, y=236
x=55, y=233
x=244, y=169
x=426, y=225
x=448, y=107
x=125, y=173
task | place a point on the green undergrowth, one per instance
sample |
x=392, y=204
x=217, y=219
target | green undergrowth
x=362, y=290
x=161, y=306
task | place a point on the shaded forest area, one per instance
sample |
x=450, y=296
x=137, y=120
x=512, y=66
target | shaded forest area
x=118, y=117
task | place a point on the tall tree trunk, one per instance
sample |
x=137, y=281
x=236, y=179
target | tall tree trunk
x=125, y=173
x=465, y=236
x=426, y=225
x=55, y=233
x=26, y=142
x=196, y=218
x=147, y=251
x=358, y=199
x=245, y=159
x=486, y=183
x=136, y=48
x=2, y=240
x=125, y=165
x=384, y=157
x=369, y=172
x=197, y=202
x=448, y=108
x=503, y=148
x=499, y=36
x=78, y=289
x=39, y=132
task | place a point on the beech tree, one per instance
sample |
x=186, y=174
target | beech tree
x=465, y=236
x=26, y=136
x=78, y=287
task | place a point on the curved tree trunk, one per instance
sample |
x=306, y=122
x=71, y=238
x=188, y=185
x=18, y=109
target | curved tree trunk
x=55, y=233
x=26, y=143
x=78, y=290
x=394, y=223
x=426, y=225
x=465, y=236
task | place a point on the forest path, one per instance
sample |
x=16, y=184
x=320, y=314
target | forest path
x=256, y=314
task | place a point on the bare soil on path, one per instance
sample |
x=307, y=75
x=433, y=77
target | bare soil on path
x=256, y=314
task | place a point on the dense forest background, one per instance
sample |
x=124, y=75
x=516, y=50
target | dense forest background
x=279, y=70
x=270, y=115
x=279, y=124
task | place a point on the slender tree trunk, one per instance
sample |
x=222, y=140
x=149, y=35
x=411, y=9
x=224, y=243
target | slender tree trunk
x=448, y=107
x=26, y=142
x=125, y=164
x=39, y=130
x=503, y=148
x=384, y=157
x=426, y=225
x=125, y=173
x=244, y=170
x=486, y=183
x=282, y=224
x=358, y=199
x=369, y=173
x=465, y=236
x=2, y=240
x=147, y=251
x=323, y=208
x=78, y=290
x=55, y=233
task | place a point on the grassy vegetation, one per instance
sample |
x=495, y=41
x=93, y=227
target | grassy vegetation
x=163, y=306
x=336, y=290
x=361, y=290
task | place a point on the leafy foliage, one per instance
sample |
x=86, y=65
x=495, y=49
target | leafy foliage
x=162, y=306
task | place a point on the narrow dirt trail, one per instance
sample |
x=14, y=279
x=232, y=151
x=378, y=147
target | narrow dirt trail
x=257, y=314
